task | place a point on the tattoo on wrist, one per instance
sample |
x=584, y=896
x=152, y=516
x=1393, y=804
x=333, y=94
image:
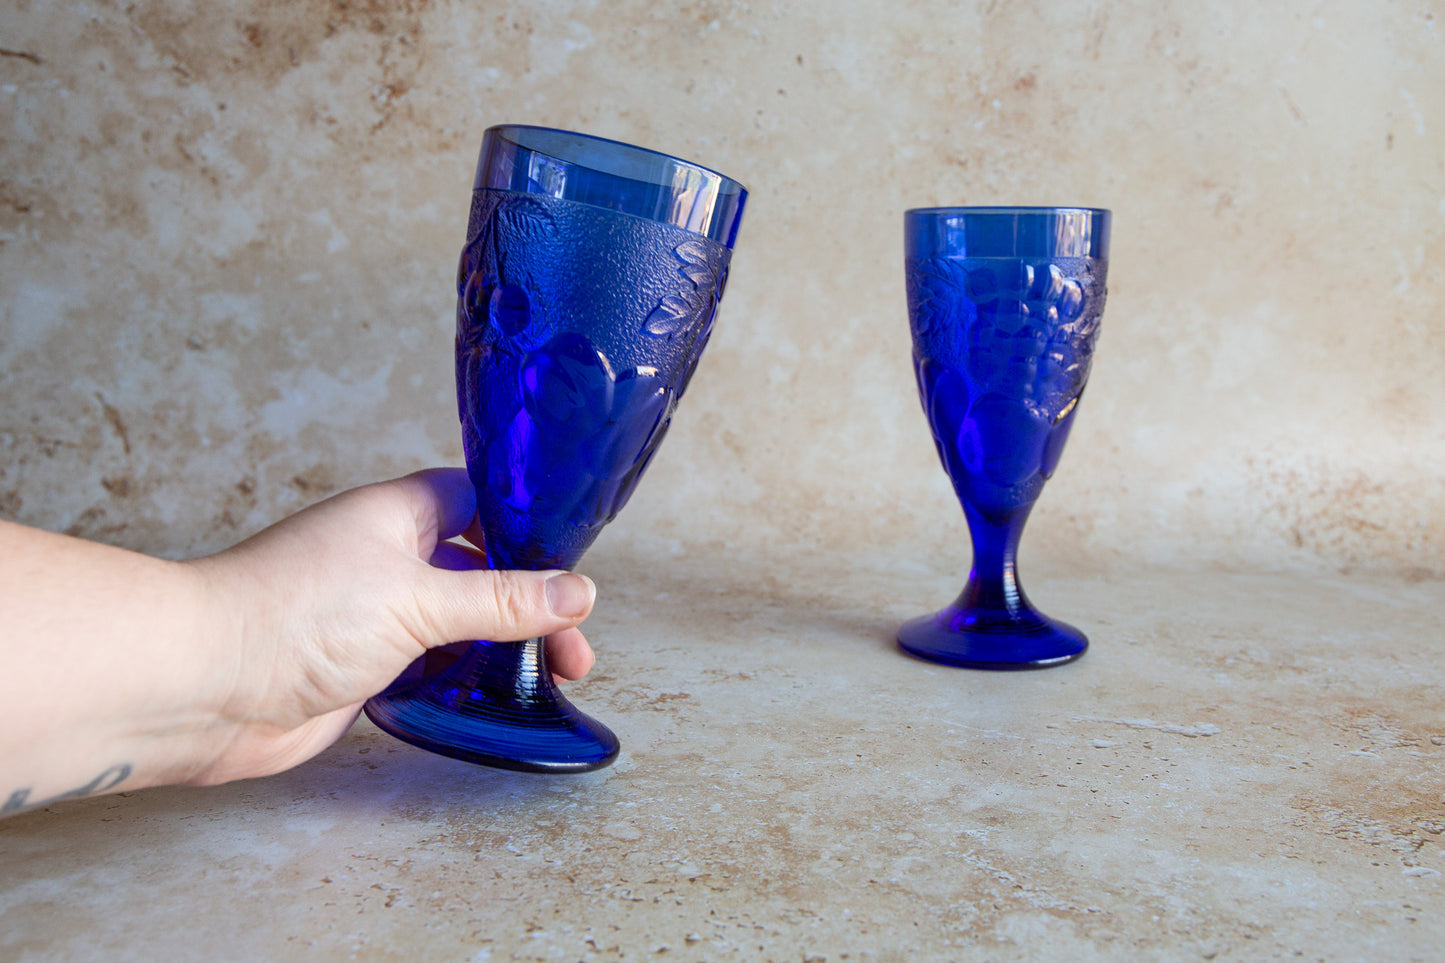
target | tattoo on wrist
x=20, y=799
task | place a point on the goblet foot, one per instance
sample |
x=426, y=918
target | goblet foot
x=963, y=637
x=518, y=721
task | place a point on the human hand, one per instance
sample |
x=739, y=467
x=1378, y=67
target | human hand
x=331, y=604
x=120, y=671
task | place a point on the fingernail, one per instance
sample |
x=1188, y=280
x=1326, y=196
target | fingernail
x=570, y=595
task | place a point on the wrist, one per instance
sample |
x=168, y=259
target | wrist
x=219, y=691
x=175, y=721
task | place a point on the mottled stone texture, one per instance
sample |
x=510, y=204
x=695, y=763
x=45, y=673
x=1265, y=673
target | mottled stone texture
x=1242, y=768
x=229, y=232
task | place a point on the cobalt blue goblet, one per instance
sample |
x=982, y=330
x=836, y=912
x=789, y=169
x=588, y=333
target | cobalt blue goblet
x=586, y=293
x=1005, y=304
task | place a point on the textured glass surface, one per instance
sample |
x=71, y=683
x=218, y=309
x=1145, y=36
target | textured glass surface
x=1005, y=306
x=562, y=400
x=586, y=295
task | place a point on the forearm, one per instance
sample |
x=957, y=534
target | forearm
x=111, y=668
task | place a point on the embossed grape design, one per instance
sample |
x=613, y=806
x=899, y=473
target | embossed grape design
x=554, y=430
x=1003, y=348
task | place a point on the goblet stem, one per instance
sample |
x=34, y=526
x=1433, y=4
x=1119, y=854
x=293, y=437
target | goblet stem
x=508, y=673
x=993, y=595
x=498, y=706
x=992, y=624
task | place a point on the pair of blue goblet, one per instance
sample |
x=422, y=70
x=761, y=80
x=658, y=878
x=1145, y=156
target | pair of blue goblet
x=587, y=290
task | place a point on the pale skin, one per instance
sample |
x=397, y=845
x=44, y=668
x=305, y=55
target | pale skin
x=120, y=671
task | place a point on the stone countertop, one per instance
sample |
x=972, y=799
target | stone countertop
x=1242, y=767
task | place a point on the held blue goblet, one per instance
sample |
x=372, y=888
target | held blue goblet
x=1005, y=305
x=586, y=293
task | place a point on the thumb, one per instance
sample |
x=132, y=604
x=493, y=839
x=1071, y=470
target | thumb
x=499, y=606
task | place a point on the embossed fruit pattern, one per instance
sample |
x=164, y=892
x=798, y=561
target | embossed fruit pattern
x=1002, y=348
x=570, y=362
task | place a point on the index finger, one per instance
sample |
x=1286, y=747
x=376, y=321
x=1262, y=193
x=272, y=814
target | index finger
x=442, y=500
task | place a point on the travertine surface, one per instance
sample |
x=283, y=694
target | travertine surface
x=1242, y=767
x=228, y=234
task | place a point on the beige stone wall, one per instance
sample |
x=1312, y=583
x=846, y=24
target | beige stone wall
x=228, y=232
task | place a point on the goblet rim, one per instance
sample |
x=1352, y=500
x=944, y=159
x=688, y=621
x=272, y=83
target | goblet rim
x=1007, y=232
x=599, y=139
x=711, y=206
x=1004, y=209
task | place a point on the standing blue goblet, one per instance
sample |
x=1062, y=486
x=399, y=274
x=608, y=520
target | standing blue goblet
x=586, y=293
x=1005, y=305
